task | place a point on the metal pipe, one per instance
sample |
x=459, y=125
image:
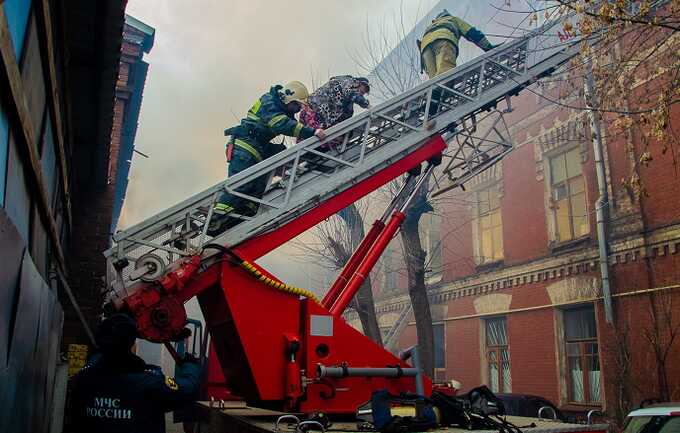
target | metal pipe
x=412, y=353
x=338, y=372
x=358, y=255
x=408, y=184
x=74, y=303
x=416, y=188
x=602, y=201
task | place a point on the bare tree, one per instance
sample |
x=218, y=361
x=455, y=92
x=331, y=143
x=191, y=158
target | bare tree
x=333, y=242
x=636, y=72
x=637, y=50
x=664, y=329
x=393, y=65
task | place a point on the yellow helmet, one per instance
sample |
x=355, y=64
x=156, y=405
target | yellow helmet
x=295, y=91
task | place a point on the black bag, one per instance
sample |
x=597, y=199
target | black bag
x=453, y=410
x=383, y=420
x=484, y=402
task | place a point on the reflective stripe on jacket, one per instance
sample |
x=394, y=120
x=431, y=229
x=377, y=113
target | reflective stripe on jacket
x=266, y=119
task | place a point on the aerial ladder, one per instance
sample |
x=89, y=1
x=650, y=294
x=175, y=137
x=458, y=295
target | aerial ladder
x=278, y=346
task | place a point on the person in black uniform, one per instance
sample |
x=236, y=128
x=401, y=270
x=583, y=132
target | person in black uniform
x=117, y=391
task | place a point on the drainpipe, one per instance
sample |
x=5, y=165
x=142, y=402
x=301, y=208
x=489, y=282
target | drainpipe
x=603, y=200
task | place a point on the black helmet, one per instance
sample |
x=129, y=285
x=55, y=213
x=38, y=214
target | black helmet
x=443, y=13
x=116, y=334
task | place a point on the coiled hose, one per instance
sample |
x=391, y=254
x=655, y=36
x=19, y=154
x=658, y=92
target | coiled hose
x=253, y=270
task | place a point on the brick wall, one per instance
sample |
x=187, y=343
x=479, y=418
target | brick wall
x=92, y=217
x=533, y=363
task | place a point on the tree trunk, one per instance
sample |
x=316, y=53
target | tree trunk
x=364, y=299
x=366, y=310
x=415, y=268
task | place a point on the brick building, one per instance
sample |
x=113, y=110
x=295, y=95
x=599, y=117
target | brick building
x=517, y=302
x=106, y=196
x=513, y=262
x=58, y=67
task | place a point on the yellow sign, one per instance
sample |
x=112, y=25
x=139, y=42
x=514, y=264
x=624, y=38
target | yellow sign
x=77, y=357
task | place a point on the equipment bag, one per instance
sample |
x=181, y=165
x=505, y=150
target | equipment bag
x=386, y=407
x=484, y=402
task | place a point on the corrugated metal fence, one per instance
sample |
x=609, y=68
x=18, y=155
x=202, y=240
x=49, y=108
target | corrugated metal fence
x=31, y=321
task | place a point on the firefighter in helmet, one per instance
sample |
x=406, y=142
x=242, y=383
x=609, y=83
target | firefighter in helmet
x=251, y=142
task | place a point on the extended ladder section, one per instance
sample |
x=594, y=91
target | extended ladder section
x=391, y=339
x=312, y=172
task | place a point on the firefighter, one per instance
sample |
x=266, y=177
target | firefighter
x=439, y=46
x=117, y=391
x=250, y=142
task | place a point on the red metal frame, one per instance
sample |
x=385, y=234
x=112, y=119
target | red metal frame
x=257, y=247
x=255, y=328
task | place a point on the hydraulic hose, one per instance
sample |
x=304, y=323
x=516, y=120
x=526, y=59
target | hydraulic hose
x=254, y=271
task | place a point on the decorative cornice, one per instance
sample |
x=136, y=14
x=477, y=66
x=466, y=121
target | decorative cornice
x=661, y=243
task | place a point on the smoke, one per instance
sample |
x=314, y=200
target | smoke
x=210, y=61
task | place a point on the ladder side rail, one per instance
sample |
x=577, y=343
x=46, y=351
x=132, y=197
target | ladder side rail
x=248, y=175
x=496, y=93
x=319, y=192
x=397, y=327
x=179, y=208
x=348, y=124
x=334, y=132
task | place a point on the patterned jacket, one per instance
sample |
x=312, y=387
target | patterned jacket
x=334, y=101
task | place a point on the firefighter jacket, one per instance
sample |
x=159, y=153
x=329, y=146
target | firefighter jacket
x=124, y=394
x=451, y=29
x=266, y=119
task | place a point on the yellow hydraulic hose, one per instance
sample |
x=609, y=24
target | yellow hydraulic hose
x=255, y=272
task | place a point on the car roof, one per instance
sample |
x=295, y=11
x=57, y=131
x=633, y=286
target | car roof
x=659, y=409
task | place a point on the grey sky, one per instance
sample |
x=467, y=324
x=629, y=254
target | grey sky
x=210, y=61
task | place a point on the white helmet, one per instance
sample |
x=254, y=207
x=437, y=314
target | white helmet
x=295, y=91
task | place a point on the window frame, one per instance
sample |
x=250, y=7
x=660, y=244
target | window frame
x=551, y=202
x=479, y=230
x=583, y=358
x=498, y=351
